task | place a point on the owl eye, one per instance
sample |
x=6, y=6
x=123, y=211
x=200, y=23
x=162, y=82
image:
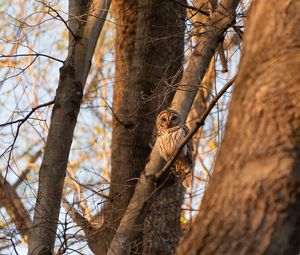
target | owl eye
x=173, y=117
x=164, y=119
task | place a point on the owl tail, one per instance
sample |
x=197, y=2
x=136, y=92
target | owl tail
x=183, y=171
x=187, y=181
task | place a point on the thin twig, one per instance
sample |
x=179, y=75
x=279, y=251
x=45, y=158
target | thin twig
x=21, y=121
x=60, y=18
x=31, y=55
x=24, y=174
x=238, y=30
x=22, y=71
x=192, y=8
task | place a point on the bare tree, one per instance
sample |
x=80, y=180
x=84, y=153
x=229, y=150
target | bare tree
x=87, y=20
x=252, y=204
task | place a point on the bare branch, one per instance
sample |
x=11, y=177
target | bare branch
x=192, y=8
x=59, y=18
x=73, y=76
x=80, y=220
x=32, y=55
x=223, y=59
x=14, y=207
x=21, y=121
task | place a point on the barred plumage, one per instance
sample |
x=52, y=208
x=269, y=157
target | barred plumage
x=170, y=134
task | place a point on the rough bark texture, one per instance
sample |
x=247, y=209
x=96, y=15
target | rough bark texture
x=149, y=54
x=83, y=38
x=252, y=204
x=161, y=231
x=135, y=212
x=125, y=162
x=162, y=224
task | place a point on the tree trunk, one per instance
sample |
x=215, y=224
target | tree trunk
x=84, y=34
x=252, y=203
x=149, y=55
x=161, y=231
x=162, y=224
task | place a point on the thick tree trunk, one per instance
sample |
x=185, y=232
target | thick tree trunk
x=124, y=136
x=162, y=224
x=149, y=55
x=83, y=38
x=161, y=231
x=252, y=204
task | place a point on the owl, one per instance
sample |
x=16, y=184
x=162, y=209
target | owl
x=170, y=133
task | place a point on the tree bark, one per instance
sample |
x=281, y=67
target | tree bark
x=162, y=230
x=84, y=33
x=252, y=203
x=149, y=53
x=137, y=208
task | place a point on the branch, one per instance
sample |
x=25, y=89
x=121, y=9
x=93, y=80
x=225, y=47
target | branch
x=238, y=30
x=221, y=19
x=22, y=71
x=192, y=8
x=21, y=121
x=73, y=76
x=80, y=220
x=86, y=226
x=14, y=207
x=222, y=56
x=32, y=55
x=88, y=187
x=59, y=18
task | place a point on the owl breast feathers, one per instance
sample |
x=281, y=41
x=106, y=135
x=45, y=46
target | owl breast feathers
x=169, y=136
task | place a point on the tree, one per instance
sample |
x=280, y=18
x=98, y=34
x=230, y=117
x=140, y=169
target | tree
x=252, y=203
x=83, y=36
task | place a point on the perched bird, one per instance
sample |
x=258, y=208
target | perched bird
x=170, y=133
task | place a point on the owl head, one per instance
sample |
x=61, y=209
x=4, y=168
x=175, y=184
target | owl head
x=167, y=119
